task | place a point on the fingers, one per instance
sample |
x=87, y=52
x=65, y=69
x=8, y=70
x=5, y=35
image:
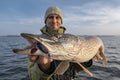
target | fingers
x=44, y=60
x=33, y=57
x=51, y=60
x=40, y=59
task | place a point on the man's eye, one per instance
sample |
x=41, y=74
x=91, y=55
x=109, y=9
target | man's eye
x=57, y=17
x=50, y=17
x=54, y=17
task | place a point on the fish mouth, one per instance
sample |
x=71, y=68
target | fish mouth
x=32, y=39
x=29, y=37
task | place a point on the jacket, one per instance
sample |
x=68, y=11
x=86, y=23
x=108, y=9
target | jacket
x=35, y=73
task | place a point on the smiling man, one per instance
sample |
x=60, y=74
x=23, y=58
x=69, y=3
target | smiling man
x=41, y=68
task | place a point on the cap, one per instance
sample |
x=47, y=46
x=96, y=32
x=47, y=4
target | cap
x=53, y=10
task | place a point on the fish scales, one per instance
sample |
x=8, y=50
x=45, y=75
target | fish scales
x=69, y=48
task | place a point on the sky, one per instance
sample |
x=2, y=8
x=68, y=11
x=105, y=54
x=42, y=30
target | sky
x=80, y=17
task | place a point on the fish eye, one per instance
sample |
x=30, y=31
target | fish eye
x=42, y=47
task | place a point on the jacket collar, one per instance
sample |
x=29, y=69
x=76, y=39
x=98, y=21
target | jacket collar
x=47, y=31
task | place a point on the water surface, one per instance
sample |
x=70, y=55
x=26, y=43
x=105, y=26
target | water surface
x=14, y=67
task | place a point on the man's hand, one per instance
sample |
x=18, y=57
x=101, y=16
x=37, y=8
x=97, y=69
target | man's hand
x=43, y=62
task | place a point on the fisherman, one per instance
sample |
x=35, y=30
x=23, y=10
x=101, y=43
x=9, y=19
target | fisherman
x=41, y=68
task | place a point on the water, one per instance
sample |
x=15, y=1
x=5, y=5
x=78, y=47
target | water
x=14, y=67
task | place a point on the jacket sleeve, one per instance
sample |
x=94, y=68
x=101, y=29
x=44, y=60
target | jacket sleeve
x=35, y=73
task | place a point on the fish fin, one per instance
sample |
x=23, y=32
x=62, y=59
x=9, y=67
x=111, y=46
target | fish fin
x=97, y=57
x=85, y=69
x=62, y=67
x=22, y=51
x=104, y=59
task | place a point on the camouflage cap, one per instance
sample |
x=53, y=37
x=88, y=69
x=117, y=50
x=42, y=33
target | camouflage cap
x=53, y=10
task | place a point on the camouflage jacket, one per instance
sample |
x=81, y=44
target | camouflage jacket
x=35, y=73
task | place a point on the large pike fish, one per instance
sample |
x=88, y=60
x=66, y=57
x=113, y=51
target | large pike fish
x=68, y=48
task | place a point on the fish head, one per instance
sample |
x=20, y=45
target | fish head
x=45, y=44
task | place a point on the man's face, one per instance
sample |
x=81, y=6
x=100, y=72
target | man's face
x=53, y=21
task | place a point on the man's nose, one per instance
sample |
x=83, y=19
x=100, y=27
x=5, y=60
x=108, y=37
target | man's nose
x=54, y=20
